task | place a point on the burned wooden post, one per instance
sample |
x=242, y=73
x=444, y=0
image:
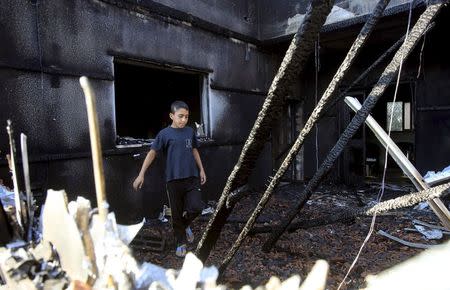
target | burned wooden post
x=387, y=76
x=339, y=75
x=295, y=59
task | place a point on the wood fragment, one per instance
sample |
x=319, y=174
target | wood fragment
x=96, y=148
x=60, y=229
x=82, y=220
x=26, y=174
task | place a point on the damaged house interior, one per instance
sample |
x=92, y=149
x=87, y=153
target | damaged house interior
x=319, y=130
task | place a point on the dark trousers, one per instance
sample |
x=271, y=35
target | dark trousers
x=185, y=200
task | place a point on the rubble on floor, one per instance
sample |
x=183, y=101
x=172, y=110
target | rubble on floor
x=297, y=252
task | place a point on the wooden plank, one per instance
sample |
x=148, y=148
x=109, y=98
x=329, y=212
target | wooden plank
x=26, y=177
x=12, y=166
x=403, y=162
x=96, y=147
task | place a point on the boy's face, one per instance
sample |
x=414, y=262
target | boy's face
x=179, y=118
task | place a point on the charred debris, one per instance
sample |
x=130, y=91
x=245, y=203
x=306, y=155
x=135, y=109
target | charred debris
x=71, y=244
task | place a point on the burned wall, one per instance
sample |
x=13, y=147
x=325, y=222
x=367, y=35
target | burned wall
x=48, y=45
x=432, y=115
x=237, y=16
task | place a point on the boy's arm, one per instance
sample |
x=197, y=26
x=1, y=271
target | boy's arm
x=200, y=165
x=139, y=181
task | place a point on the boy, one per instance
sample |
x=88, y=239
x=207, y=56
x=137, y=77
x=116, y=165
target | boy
x=183, y=169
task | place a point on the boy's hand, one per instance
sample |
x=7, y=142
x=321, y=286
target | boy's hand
x=138, y=182
x=202, y=177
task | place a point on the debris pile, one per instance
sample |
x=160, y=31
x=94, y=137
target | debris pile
x=78, y=249
x=32, y=267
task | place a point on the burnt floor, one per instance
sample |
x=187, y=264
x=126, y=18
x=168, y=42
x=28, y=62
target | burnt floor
x=295, y=253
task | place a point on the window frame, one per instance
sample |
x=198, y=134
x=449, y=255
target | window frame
x=203, y=75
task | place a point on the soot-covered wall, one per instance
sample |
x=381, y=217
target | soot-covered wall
x=48, y=45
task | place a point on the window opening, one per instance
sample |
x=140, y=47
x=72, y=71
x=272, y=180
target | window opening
x=394, y=109
x=143, y=94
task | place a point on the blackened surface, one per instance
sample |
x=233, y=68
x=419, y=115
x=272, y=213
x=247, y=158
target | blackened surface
x=433, y=152
x=75, y=36
x=433, y=89
x=239, y=16
x=54, y=119
x=232, y=115
x=67, y=39
x=432, y=127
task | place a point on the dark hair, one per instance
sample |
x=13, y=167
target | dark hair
x=178, y=105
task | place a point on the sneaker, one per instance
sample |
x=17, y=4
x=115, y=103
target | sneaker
x=189, y=235
x=181, y=251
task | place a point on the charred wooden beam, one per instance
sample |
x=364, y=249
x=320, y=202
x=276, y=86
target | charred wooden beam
x=387, y=76
x=237, y=195
x=339, y=217
x=362, y=76
x=293, y=63
x=339, y=75
x=347, y=215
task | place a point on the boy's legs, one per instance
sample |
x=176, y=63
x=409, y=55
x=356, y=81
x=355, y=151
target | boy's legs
x=193, y=204
x=175, y=192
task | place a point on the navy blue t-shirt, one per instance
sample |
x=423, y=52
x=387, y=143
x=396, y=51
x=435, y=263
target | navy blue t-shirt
x=177, y=145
